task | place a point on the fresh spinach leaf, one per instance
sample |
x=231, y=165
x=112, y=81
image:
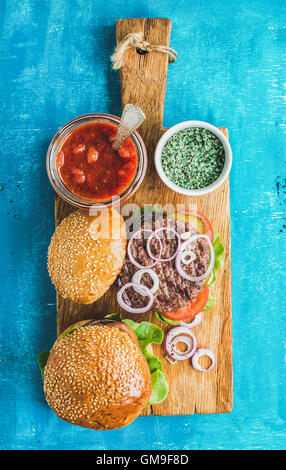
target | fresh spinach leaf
x=114, y=316
x=210, y=303
x=148, y=333
x=42, y=361
x=160, y=387
x=167, y=320
x=218, y=249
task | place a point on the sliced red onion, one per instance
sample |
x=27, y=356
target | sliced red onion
x=184, y=335
x=133, y=261
x=131, y=309
x=180, y=254
x=187, y=257
x=124, y=295
x=203, y=352
x=156, y=232
x=185, y=235
x=137, y=280
x=196, y=321
x=172, y=361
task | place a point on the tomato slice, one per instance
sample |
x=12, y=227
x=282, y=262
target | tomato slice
x=191, y=309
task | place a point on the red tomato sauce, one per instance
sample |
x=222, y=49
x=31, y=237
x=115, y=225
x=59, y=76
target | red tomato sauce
x=90, y=168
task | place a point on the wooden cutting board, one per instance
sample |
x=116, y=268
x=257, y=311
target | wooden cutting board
x=143, y=83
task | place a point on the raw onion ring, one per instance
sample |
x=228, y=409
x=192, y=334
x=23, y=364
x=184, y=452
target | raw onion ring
x=185, y=235
x=169, y=359
x=133, y=261
x=196, y=321
x=125, y=297
x=137, y=280
x=203, y=352
x=180, y=334
x=187, y=257
x=156, y=232
x=131, y=309
x=179, y=258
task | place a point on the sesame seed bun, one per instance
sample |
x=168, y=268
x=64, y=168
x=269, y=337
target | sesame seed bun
x=97, y=376
x=86, y=254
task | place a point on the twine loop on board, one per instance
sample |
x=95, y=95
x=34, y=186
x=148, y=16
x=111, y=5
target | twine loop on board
x=143, y=47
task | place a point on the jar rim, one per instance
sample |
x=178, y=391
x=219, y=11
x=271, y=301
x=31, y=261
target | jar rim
x=58, y=140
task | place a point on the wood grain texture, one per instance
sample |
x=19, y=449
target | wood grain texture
x=143, y=83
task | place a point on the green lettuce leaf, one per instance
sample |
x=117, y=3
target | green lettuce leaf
x=148, y=333
x=118, y=317
x=42, y=361
x=70, y=331
x=210, y=303
x=219, y=250
x=160, y=387
x=212, y=278
x=149, y=209
x=114, y=316
x=167, y=320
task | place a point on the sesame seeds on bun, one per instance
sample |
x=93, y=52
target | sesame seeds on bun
x=97, y=376
x=86, y=254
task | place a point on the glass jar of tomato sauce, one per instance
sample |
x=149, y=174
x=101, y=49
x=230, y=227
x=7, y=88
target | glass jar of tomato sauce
x=84, y=169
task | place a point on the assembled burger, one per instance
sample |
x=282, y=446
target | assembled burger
x=99, y=374
x=170, y=263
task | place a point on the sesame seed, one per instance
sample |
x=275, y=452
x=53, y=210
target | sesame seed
x=76, y=260
x=91, y=369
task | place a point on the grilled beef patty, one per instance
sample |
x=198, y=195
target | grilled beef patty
x=174, y=291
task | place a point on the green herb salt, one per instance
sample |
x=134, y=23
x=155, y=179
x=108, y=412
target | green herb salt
x=193, y=158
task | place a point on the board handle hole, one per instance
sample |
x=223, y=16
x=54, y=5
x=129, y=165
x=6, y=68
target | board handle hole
x=141, y=51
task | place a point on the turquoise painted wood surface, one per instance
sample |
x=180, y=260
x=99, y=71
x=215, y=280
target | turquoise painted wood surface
x=230, y=71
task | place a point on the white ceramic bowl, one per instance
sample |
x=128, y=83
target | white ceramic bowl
x=179, y=127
